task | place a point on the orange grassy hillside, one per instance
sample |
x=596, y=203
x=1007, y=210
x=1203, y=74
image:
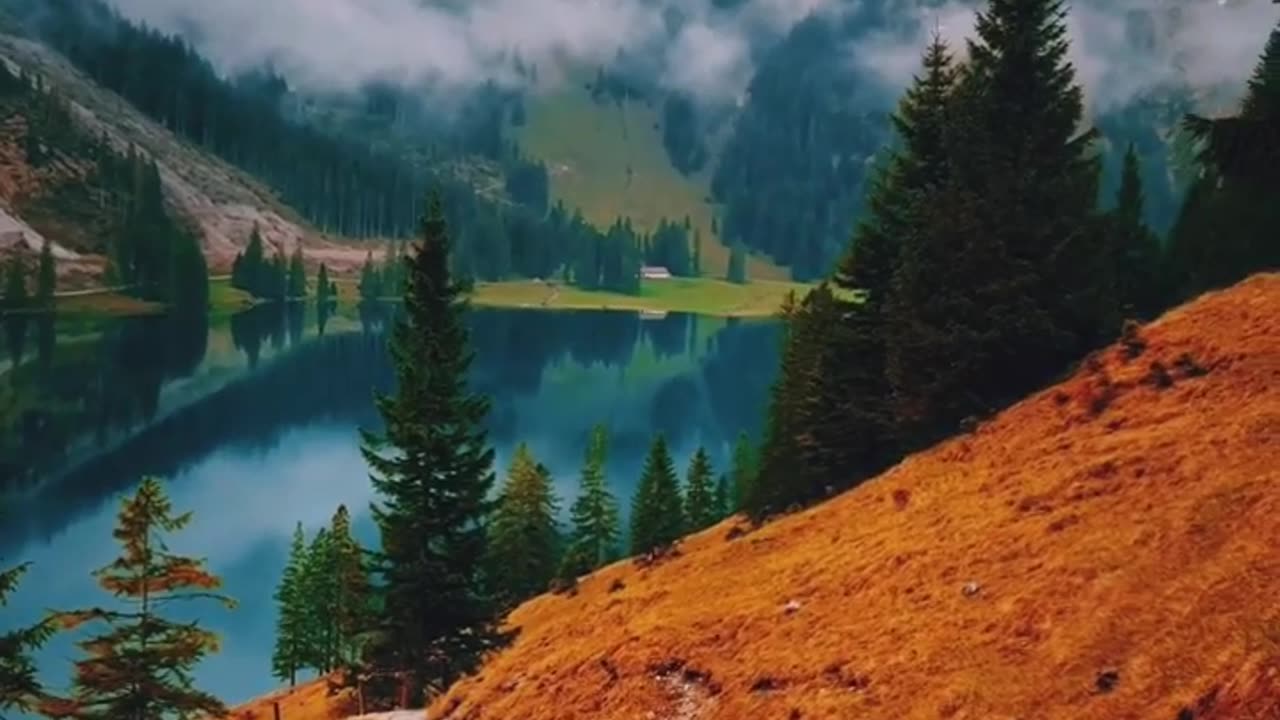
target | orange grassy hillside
x=1108, y=548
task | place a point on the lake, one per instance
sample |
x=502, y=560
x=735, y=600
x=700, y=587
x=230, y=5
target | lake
x=254, y=421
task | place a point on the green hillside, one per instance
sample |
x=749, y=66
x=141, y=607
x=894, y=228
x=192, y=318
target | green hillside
x=608, y=159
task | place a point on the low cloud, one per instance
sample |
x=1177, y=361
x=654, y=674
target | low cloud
x=1122, y=49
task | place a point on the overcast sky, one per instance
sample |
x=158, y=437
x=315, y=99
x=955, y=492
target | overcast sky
x=339, y=44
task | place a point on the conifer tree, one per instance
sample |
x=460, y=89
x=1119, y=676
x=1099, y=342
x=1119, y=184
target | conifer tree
x=523, y=539
x=319, y=585
x=323, y=295
x=15, y=284
x=594, y=538
x=1138, y=255
x=370, y=282
x=1227, y=226
x=19, y=688
x=46, y=279
x=432, y=469
x=700, y=493
x=351, y=589
x=783, y=478
x=140, y=667
x=743, y=471
x=657, y=515
x=737, y=272
x=291, y=645
x=297, y=274
x=724, y=497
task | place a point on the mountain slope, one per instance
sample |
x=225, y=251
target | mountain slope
x=222, y=201
x=1105, y=548
x=607, y=158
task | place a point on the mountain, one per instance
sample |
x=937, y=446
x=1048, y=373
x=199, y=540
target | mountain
x=1103, y=549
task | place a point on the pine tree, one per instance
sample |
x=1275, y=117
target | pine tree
x=319, y=585
x=1227, y=227
x=254, y=264
x=737, y=272
x=297, y=274
x=15, y=284
x=370, y=282
x=20, y=689
x=433, y=471
x=783, y=479
x=700, y=500
x=323, y=295
x=1138, y=254
x=594, y=538
x=657, y=515
x=724, y=497
x=351, y=590
x=743, y=471
x=140, y=668
x=47, y=278
x=290, y=652
x=523, y=539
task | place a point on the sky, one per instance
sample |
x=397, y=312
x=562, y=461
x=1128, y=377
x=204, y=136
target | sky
x=336, y=45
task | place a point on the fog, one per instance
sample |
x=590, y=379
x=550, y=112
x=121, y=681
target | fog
x=1122, y=48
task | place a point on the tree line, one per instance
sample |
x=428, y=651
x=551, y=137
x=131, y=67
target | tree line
x=340, y=182
x=984, y=265
x=117, y=206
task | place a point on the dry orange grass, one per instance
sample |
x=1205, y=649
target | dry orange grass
x=309, y=701
x=1107, y=525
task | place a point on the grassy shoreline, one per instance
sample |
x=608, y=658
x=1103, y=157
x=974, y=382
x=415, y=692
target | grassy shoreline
x=704, y=296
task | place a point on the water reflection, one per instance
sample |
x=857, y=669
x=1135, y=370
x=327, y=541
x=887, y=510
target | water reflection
x=254, y=421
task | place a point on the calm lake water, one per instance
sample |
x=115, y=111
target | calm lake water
x=253, y=420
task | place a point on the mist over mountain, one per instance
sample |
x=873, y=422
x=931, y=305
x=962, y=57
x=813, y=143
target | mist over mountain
x=1123, y=49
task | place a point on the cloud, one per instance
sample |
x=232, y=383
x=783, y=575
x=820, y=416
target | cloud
x=1122, y=49
x=336, y=45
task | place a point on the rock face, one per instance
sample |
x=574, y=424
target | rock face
x=1119, y=530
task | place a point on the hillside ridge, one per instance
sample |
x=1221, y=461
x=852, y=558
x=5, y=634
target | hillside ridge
x=1104, y=548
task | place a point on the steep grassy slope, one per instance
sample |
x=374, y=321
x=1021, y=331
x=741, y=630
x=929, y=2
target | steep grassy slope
x=608, y=160
x=1105, y=549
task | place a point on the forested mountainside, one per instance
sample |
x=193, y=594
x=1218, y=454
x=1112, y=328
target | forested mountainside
x=350, y=176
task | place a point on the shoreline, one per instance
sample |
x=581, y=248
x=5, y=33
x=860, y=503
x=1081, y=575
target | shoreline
x=701, y=296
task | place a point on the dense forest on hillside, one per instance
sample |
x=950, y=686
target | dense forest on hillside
x=339, y=183
x=986, y=264
x=794, y=172
x=111, y=201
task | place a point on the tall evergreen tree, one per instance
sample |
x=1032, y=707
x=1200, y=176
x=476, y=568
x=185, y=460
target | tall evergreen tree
x=1227, y=227
x=433, y=471
x=47, y=278
x=19, y=688
x=594, y=538
x=320, y=586
x=657, y=513
x=15, y=284
x=744, y=468
x=290, y=652
x=737, y=272
x=323, y=295
x=783, y=478
x=700, y=492
x=140, y=667
x=523, y=539
x=724, y=497
x=297, y=274
x=370, y=280
x=1138, y=255
x=351, y=590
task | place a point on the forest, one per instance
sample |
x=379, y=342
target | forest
x=115, y=196
x=340, y=183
